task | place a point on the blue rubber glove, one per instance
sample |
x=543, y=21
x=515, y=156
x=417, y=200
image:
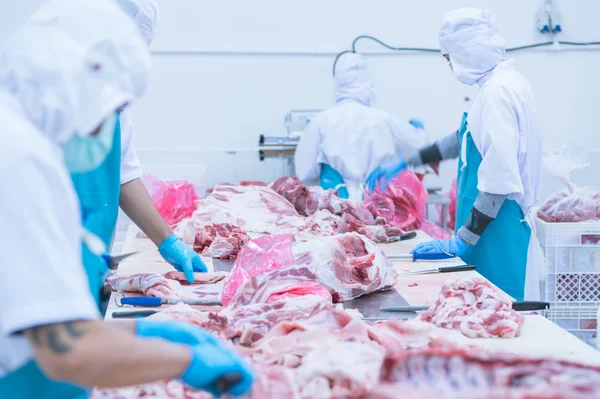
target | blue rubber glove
x=417, y=123
x=385, y=173
x=174, y=331
x=455, y=246
x=181, y=257
x=212, y=362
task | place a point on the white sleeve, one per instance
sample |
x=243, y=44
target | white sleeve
x=498, y=142
x=307, y=153
x=408, y=138
x=42, y=279
x=130, y=164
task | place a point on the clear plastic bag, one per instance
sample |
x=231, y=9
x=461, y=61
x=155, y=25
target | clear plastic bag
x=265, y=253
x=576, y=204
x=174, y=200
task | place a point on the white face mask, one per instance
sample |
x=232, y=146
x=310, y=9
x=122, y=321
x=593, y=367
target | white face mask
x=84, y=154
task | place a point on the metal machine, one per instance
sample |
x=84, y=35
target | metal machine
x=284, y=147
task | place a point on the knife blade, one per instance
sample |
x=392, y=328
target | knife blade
x=151, y=301
x=447, y=269
x=113, y=261
x=403, y=237
x=133, y=314
x=441, y=255
x=519, y=306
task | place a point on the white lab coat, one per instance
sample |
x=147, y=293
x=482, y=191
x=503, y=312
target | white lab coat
x=130, y=164
x=503, y=120
x=354, y=139
x=62, y=73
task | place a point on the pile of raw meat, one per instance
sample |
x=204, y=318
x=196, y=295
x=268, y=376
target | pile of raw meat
x=476, y=308
x=286, y=207
x=578, y=206
x=313, y=349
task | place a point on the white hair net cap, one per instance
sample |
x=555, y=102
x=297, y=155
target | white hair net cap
x=470, y=38
x=145, y=16
x=70, y=67
x=353, y=80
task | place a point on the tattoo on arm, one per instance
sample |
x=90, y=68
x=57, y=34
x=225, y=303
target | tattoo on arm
x=57, y=337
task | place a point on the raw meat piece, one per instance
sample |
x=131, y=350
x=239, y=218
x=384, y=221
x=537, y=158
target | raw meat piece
x=309, y=201
x=253, y=209
x=583, y=204
x=349, y=265
x=288, y=342
x=270, y=286
x=251, y=322
x=172, y=285
x=471, y=372
x=397, y=336
x=342, y=370
x=222, y=241
x=476, y=308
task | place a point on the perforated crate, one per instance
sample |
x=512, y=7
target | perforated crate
x=572, y=252
x=581, y=321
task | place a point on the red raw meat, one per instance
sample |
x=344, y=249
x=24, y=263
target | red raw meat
x=349, y=265
x=578, y=206
x=462, y=373
x=222, y=241
x=323, y=205
x=476, y=308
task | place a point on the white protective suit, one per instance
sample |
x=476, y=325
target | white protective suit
x=145, y=16
x=63, y=73
x=503, y=120
x=353, y=137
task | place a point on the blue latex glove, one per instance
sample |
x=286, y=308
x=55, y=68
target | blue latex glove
x=211, y=359
x=417, y=123
x=385, y=174
x=212, y=362
x=181, y=257
x=455, y=246
x=174, y=331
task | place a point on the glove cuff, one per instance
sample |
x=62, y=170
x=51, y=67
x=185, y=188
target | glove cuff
x=168, y=242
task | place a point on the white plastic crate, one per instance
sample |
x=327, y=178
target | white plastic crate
x=572, y=251
x=580, y=321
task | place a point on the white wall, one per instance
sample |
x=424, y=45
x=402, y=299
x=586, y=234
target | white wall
x=226, y=71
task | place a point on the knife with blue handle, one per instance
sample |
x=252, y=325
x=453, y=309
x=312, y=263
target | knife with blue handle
x=441, y=255
x=519, y=306
x=152, y=301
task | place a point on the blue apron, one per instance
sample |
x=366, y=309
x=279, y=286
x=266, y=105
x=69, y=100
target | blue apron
x=330, y=179
x=501, y=253
x=98, y=193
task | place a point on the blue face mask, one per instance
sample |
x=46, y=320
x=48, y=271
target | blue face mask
x=84, y=154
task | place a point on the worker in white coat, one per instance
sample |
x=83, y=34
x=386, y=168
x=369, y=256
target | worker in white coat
x=117, y=181
x=499, y=147
x=63, y=77
x=343, y=144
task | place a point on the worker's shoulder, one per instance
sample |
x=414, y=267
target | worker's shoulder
x=356, y=108
x=508, y=81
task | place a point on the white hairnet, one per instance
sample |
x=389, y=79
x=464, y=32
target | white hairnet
x=145, y=16
x=71, y=66
x=353, y=80
x=471, y=39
